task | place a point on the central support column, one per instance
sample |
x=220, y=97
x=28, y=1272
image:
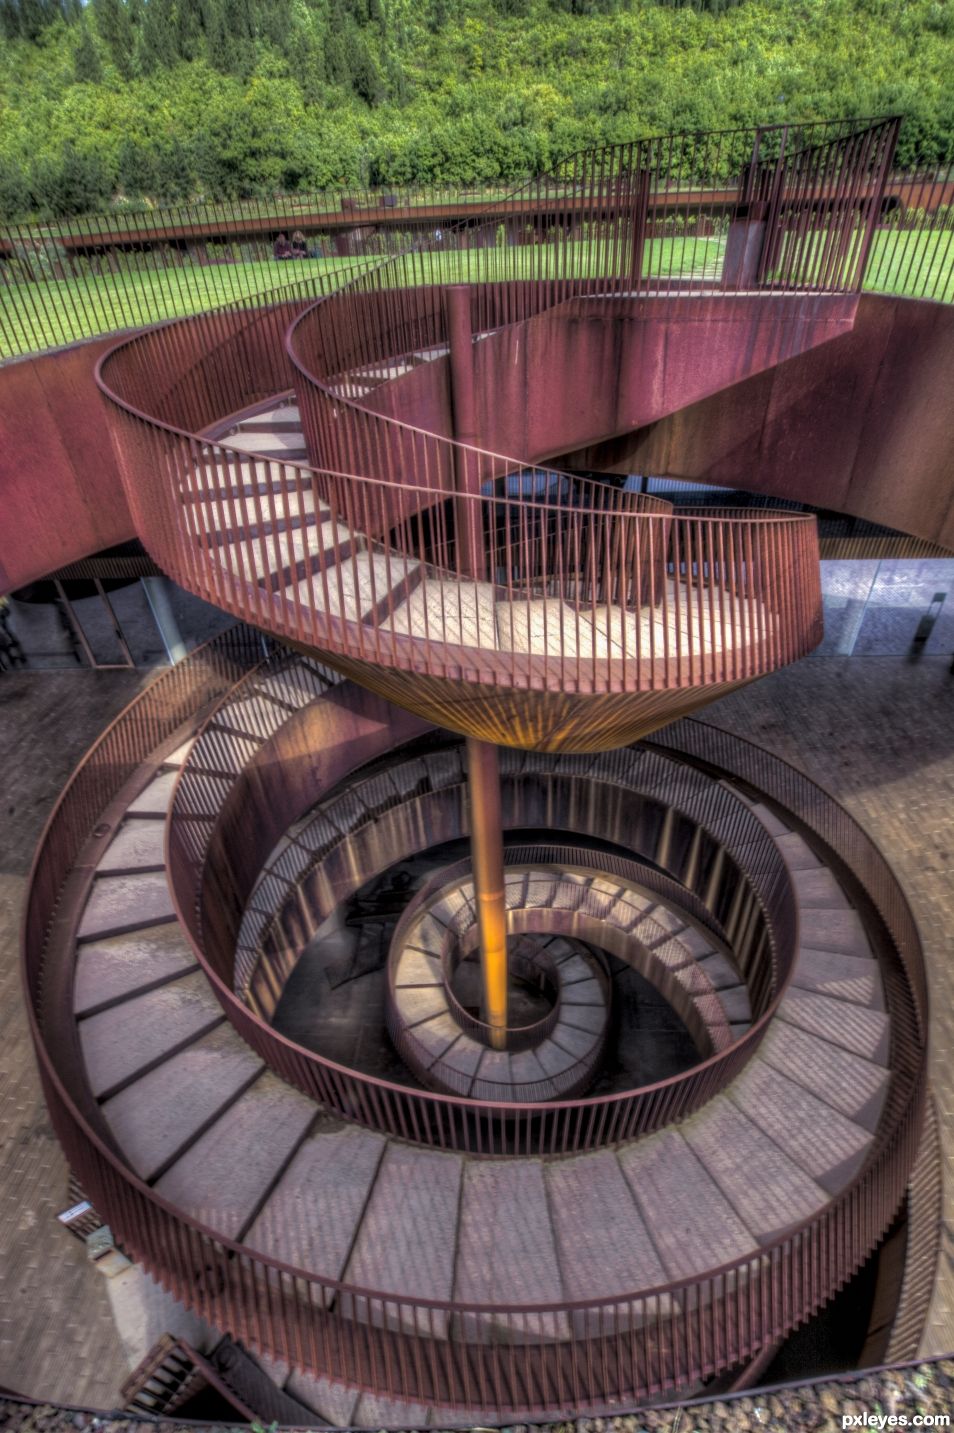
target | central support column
x=483, y=770
x=486, y=853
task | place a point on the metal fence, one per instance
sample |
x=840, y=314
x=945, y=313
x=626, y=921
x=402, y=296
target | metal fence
x=441, y=1352
x=666, y=206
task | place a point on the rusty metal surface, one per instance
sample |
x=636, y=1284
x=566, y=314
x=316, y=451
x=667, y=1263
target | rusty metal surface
x=635, y=1347
x=735, y=598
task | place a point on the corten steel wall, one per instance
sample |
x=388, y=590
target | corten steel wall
x=862, y=426
x=583, y=369
x=61, y=497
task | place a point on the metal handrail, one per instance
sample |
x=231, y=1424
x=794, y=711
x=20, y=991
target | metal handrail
x=485, y=1126
x=660, y=1338
x=591, y=564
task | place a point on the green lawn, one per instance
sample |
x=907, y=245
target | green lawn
x=912, y=263
x=35, y=316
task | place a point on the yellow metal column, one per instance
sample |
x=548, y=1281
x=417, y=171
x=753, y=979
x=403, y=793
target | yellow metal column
x=486, y=850
x=483, y=770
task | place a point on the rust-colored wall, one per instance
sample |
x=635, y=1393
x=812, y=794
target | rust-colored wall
x=599, y=367
x=864, y=425
x=61, y=497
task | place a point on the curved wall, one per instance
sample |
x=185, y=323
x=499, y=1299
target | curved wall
x=863, y=425
x=61, y=497
x=860, y=424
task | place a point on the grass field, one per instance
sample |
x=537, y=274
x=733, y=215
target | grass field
x=37, y=316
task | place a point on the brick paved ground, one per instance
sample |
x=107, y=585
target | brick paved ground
x=876, y=731
x=57, y=1334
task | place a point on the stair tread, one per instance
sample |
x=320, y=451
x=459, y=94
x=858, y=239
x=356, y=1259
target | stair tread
x=693, y=1223
x=798, y=855
x=118, y=902
x=357, y=584
x=506, y=1250
x=284, y=687
x=840, y=931
x=138, y=842
x=154, y=799
x=221, y=1178
x=719, y=970
x=843, y=977
x=156, y=1115
x=120, y=1041
x=766, y=1188
x=406, y=1240
x=461, y=613
x=817, y=887
x=824, y=1143
x=850, y=1083
x=118, y=965
x=854, y=1027
x=311, y=1216
x=602, y=1240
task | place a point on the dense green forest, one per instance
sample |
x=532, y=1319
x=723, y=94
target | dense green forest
x=131, y=101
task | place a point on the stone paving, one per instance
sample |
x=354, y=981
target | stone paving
x=878, y=732
x=57, y=1333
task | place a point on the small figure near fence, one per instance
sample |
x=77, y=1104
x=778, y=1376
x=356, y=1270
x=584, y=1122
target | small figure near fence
x=299, y=245
x=282, y=249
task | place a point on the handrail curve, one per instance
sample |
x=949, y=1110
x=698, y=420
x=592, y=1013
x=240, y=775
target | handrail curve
x=570, y=587
x=661, y=1337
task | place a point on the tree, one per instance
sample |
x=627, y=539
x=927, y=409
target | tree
x=114, y=22
x=87, y=69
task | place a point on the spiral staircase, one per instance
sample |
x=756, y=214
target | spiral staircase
x=445, y=1226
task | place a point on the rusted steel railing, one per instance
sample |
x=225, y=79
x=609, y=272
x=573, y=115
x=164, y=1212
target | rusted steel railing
x=588, y=589
x=752, y=901
x=444, y=1352
x=78, y=277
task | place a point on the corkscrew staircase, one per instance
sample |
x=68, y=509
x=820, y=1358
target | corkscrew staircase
x=492, y=1230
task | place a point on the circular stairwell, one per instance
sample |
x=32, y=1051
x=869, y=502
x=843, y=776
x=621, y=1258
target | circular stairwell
x=396, y=1253
x=449, y=1258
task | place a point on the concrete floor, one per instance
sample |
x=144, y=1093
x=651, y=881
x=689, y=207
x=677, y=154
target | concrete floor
x=877, y=731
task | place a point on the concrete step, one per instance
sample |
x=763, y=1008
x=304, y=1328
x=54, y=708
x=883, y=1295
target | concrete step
x=767, y=1189
x=225, y=1175
x=139, y=843
x=311, y=1217
x=852, y=1027
x=849, y=1083
x=119, y=965
x=163, y=1111
x=603, y=1244
x=460, y=613
x=817, y=887
x=125, y=903
x=355, y=587
x=125, y=1040
x=822, y=1142
x=852, y=978
x=799, y=856
x=507, y=1252
x=154, y=799
x=719, y=970
x=407, y=1239
x=839, y=930
x=680, y=1202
